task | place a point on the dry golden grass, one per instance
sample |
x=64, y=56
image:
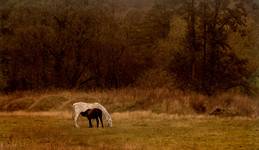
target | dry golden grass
x=62, y=114
x=131, y=130
x=133, y=115
x=159, y=100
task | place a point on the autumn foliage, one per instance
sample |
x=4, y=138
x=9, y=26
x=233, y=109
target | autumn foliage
x=205, y=46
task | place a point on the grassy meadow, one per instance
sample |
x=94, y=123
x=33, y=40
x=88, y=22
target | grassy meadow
x=131, y=130
x=142, y=119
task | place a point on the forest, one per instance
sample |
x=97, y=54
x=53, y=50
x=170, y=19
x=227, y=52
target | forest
x=204, y=46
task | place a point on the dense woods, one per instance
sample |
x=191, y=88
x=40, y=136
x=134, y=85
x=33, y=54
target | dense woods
x=207, y=46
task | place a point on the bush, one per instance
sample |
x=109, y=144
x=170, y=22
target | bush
x=233, y=105
x=155, y=78
x=48, y=103
x=23, y=104
x=198, y=103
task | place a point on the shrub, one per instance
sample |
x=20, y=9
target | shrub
x=198, y=103
x=155, y=78
x=233, y=105
x=48, y=103
x=20, y=105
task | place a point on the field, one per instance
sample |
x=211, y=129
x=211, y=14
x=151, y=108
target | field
x=131, y=130
x=142, y=119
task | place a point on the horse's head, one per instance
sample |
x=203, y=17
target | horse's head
x=110, y=122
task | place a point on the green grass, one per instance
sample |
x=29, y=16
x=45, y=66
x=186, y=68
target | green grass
x=130, y=131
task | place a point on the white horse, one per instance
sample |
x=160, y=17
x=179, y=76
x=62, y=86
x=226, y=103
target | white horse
x=82, y=107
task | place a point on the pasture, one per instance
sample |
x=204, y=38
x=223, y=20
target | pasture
x=131, y=130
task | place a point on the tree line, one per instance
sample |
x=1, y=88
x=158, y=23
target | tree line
x=201, y=45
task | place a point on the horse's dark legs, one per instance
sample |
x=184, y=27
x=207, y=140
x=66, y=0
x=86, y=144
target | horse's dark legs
x=90, y=123
x=97, y=121
x=101, y=120
x=93, y=114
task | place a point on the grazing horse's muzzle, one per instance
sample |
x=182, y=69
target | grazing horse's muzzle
x=109, y=123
